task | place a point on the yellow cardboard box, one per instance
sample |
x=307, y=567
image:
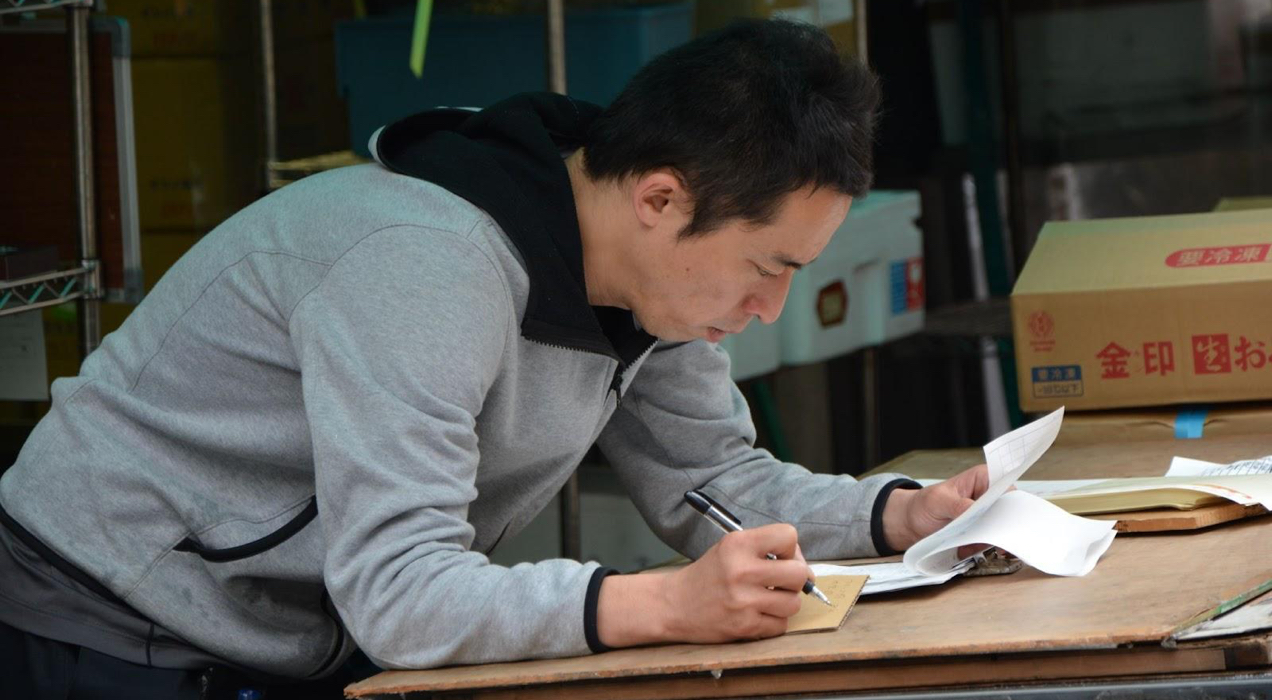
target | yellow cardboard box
x=186, y=27
x=1239, y=203
x=204, y=28
x=161, y=249
x=1176, y=423
x=197, y=140
x=1146, y=311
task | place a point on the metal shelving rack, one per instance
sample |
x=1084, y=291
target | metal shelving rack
x=82, y=283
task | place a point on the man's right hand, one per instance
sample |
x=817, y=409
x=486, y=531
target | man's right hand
x=733, y=592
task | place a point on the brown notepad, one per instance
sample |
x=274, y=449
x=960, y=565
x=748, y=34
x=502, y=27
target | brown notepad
x=816, y=616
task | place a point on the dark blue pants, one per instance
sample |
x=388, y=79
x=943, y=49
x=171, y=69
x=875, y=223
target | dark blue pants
x=37, y=668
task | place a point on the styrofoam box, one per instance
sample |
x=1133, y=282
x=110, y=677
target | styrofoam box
x=865, y=288
x=753, y=352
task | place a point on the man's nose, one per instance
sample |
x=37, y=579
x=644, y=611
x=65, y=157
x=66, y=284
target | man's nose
x=766, y=302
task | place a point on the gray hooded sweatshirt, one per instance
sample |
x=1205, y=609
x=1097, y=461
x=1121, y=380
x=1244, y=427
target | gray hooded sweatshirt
x=317, y=425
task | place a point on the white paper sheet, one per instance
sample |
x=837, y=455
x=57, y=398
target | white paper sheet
x=1040, y=533
x=1054, y=486
x=889, y=576
x=1008, y=458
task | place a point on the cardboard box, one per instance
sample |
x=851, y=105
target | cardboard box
x=1175, y=423
x=1146, y=311
x=198, y=152
x=171, y=28
x=160, y=250
x=206, y=28
x=1243, y=203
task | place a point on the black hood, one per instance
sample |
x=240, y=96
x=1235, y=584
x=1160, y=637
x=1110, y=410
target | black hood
x=507, y=160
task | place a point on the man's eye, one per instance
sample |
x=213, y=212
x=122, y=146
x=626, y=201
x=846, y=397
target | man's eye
x=763, y=272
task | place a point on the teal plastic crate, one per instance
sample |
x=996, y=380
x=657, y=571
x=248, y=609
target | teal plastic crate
x=475, y=60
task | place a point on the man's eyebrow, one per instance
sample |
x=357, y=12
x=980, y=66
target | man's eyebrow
x=787, y=261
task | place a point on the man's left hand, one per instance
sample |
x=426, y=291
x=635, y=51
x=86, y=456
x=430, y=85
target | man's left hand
x=912, y=514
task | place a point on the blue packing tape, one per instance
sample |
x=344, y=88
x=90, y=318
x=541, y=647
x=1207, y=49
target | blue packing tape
x=1190, y=423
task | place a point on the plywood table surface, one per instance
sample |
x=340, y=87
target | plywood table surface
x=1145, y=588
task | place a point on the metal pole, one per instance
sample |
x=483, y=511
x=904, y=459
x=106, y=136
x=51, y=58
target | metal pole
x=89, y=310
x=269, y=96
x=1020, y=238
x=556, y=46
x=870, y=406
x=863, y=51
x=870, y=355
x=571, y=532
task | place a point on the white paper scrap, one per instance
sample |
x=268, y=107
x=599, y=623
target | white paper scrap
x=1183, y=466
x=1253, y=616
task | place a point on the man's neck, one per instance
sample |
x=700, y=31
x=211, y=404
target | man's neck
x=603, y=259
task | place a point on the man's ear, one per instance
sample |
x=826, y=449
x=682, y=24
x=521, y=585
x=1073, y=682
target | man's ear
x=660, y=200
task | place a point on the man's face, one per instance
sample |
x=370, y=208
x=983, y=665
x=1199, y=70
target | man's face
x=711, y=285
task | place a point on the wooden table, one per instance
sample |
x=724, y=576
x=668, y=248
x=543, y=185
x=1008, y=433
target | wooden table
x=1115, y=624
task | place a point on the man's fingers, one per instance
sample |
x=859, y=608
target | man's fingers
x=765, y=626
x=960, y=506
x=779, y=539
x=973, y=482
x=799, y=556
x=785, y=574
x=779, y=603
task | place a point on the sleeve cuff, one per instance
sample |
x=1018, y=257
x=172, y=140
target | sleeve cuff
x=876, y=518
x=589, y=609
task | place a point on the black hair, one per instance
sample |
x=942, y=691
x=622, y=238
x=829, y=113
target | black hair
x=745, y=115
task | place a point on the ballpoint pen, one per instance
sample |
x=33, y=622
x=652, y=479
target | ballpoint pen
x=726, y=521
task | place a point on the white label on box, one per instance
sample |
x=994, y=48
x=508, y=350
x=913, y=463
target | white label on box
x=23, y=370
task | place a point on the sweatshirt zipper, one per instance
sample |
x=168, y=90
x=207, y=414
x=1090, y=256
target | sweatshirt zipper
x=616, y=384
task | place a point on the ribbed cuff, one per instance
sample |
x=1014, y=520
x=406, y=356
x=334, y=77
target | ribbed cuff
x=589, y=609
x=876, y=515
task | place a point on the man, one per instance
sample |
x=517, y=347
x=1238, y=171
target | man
x=312, y=432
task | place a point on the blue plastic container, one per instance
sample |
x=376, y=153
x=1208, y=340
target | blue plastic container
x=475, y=61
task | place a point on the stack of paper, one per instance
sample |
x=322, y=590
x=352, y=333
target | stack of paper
x=1039, y=533
x=1188, y=484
